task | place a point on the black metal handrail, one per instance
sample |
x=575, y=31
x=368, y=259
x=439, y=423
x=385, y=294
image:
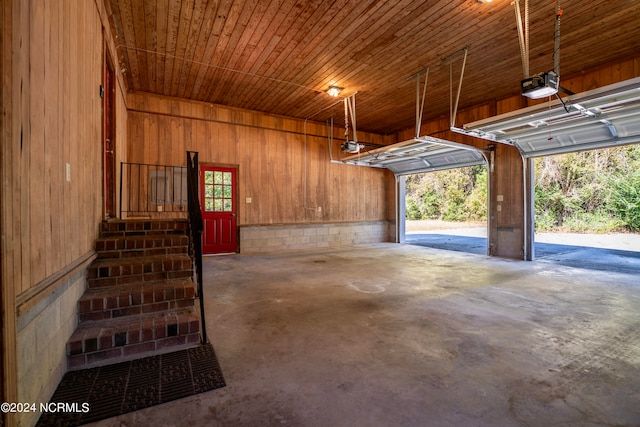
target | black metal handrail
x=195, y=229
x=147, y=188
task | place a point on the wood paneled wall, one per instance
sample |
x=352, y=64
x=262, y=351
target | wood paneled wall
x=55, y=189
x=52, y=197
x=283, y=164
x=7, y=317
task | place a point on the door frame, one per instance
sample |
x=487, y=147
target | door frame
x=109, y=138
x=236, y=196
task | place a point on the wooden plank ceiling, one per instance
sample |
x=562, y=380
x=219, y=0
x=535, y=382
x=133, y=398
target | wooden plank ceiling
x=279, y=56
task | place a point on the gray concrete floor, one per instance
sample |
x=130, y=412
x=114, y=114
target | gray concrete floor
x=402, y=335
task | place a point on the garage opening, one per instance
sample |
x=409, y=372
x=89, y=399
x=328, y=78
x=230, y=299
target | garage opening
x=589, y=191
x=588, y=200
x=591, y=130
x=447, y=209
x=422, y=157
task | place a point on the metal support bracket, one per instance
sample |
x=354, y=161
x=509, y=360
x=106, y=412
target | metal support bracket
x=420, y=99
x=453, y=111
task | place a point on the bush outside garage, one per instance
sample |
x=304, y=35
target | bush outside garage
x=595, y=191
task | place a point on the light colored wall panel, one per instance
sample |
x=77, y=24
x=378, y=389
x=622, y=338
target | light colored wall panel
x=289, y=238
x=43, y=331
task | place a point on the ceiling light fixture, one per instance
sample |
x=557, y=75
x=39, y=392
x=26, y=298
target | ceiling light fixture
x=484, y=1
x=334, y=91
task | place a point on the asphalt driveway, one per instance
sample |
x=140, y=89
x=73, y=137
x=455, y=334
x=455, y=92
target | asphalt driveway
x=606, y=252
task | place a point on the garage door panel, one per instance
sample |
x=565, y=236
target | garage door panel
x=628, y=127
x=419, y=155
x=569, y=139
x=600, y=118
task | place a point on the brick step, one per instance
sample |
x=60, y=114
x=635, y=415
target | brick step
x=139, y=246
x=114, y=272
x=139, y=298
x=100, y=342
x=143, y=227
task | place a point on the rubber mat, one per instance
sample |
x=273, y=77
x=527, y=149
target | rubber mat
x=94, y=394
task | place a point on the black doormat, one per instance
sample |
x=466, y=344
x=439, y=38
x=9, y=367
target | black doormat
x=94, y=394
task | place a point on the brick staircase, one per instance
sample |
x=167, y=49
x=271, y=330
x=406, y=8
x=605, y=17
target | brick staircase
x=140, y=296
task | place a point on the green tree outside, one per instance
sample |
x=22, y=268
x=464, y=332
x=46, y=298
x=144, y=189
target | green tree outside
x=590, y=191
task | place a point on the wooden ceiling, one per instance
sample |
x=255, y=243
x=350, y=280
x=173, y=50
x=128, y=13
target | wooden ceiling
x=279, y=56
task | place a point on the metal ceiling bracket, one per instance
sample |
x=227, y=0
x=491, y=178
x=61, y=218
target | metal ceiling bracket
x=556, y=39
x=523, y=34
x=350, y=114
x=454, y=109
x=420, y=100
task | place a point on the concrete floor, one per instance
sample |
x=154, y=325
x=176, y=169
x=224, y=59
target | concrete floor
x=402, y=335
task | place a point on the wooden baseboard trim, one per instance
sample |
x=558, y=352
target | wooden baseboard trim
x=28, y=299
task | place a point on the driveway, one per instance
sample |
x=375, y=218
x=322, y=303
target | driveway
x=606, y=252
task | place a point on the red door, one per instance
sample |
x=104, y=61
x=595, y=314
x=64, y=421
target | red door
x=219, y=206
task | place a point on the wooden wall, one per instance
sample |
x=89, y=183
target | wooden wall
x=51, y=150
x=58, y=124
x=7, y=317
x=283, y=164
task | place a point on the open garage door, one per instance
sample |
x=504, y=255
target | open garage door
x=599, y=118
x=417, y=155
